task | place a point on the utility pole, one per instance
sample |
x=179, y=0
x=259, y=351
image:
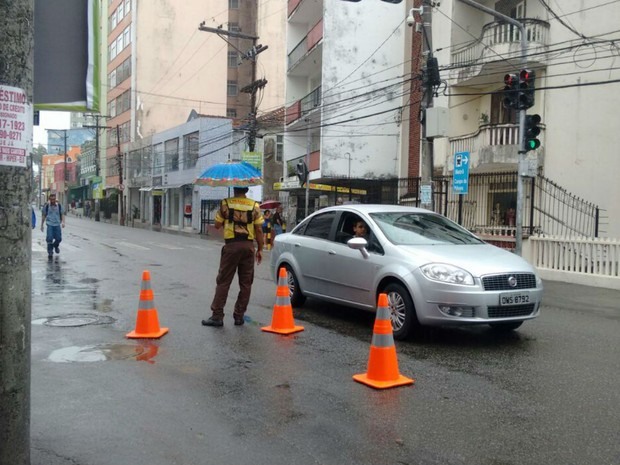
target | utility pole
x=96, y=127
x=521, y=168
x=16, y=71
x=255, y=85
x=119, y=160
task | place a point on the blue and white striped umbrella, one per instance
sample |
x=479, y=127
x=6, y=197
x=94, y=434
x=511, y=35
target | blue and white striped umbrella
x=230, y=174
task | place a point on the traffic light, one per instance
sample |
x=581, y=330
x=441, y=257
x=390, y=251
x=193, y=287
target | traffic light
x=526, y=89
x=511, y=91
x=532, y=130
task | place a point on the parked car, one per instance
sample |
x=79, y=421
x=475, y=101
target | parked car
x=434, y=271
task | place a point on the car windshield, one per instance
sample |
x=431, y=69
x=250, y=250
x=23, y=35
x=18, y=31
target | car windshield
x=422, y=229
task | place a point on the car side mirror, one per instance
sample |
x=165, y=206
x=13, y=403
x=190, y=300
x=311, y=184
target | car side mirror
x=359, y=243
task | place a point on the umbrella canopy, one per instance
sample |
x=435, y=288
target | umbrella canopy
x=269, y=204
x=230, y=174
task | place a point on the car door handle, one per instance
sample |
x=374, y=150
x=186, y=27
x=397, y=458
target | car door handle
x=331, y=252
x=297, y=244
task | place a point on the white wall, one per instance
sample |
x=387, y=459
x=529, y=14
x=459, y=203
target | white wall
x=271, y=29
x=179, y=68
x=582, y=141
x=363, y=49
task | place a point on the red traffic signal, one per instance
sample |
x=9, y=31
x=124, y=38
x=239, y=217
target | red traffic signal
x=511, y=90
x=525, y=99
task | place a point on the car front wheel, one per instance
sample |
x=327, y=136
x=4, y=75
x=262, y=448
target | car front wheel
x=297, y=298
x=404, y=319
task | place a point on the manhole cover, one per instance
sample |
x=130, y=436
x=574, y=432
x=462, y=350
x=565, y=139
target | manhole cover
x=79, y=319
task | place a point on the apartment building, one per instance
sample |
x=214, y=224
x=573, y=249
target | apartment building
x=571, y=46
x=160, y=67
x=346, y=73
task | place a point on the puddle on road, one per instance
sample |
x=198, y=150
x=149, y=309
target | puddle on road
x=58, y=285
x=103, y=352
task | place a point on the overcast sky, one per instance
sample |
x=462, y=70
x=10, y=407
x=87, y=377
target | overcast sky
x=49, y=120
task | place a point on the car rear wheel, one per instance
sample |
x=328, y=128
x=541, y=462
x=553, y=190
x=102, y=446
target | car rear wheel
x=297, y=298
x=404, y=319
x=505, y=327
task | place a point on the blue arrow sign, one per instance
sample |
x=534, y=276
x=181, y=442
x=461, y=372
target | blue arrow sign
x=460, y=178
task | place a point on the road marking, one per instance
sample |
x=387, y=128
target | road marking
x=132, y=246
x=166, y=246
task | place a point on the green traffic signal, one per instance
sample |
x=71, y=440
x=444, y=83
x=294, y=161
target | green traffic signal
x=532, y=131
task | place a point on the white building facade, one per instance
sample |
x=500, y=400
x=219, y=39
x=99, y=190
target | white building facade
x=570, y=46
x=347, y=68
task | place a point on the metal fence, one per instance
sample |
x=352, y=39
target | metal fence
x=491, y=202
x=208, y=209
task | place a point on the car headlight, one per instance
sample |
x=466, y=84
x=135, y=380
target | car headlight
x=447, y=274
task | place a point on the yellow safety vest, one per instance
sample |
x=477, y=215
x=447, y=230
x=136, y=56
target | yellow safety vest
x=239, y=218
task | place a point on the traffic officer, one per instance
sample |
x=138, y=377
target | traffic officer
x=242, y=221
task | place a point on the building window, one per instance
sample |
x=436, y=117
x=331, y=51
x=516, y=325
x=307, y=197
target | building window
x=127, y=6
x=112, y=79
x=279, y=148
x=112, y=108
x=120, y=12
x=171, y=152
x=233, y=4
x=231, y=113
x=127, y=36
x=234, y=27
x=233, y=59
x=190, y=150
x=232, y=88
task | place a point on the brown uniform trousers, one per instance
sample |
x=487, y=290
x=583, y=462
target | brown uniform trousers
x=236, y=257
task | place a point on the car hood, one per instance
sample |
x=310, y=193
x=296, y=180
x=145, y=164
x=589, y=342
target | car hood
x=478, y=259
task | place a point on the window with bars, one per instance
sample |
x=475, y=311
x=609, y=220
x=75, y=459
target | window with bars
x=232, y=89
x=231, y=113
x=233, y=59
x=233, y=4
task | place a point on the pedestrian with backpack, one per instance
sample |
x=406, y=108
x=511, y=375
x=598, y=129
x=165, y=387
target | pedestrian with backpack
x=54, y=218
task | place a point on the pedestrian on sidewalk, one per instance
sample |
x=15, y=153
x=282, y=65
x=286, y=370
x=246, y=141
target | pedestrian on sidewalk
x=242, y=221
x=54, y=218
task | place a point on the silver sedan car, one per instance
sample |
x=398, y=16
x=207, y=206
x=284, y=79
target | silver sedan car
x=434, y=271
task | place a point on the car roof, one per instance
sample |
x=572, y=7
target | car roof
x=374, y=208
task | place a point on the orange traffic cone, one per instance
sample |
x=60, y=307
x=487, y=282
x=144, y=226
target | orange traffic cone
x=382, y=364
x=282, y=318
x=147, y=323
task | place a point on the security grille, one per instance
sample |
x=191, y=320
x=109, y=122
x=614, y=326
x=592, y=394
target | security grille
x=507, y=312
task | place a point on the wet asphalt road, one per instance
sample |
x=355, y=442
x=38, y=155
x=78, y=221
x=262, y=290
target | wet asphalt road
x=547, y=394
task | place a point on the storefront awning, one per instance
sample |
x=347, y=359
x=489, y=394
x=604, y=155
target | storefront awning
x=172, y=186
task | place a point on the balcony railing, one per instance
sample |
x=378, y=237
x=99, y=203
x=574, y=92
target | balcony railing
x=292, y=5
x=303, y=106
x=498, y=33
x=313, y=37
x=487, y=134
x=311, y=101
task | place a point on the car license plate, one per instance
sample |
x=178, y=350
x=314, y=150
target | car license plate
x=514, y=298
